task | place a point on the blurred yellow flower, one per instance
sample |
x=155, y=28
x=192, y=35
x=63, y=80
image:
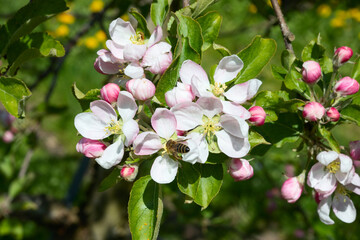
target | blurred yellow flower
x=355, y=13
x=96, y=6
x=324, y=10
x=342, y=14
x=268, y=2
x=125, y=17
x=337, y=22
x=65, y=18
x=62, y=31
x=100, y=36
x=91, y=42
x=252, y=8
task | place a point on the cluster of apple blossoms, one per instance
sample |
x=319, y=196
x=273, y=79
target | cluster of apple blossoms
x=201, y=117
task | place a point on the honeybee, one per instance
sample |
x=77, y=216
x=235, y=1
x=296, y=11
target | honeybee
x=176, y=147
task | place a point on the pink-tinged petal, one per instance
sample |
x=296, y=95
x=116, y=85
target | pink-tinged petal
x=112, y=155
x=179, y=94
x=323, y=195
x=346, y=163
x=232, y=146
x=134, y=70
x=126, y=106
x=324, y=211
x=155, y=36
x=199, y=88
x=316, y=173
x=210, y=106
x=189, y=69
x=89, y=126
x=326, y=184
x=327, y=157
x=344, y=208
x=103, y=111
x=164, y=169
x=188, y=115
x=115, y=49
x=354, y=186
x=355, y=150
x=157, y=58
x=164, y=122
x=134, y=52
x=235, y=109
x=121, y=31
x=356, y=180
x=228, y=69
x=234, y=126
x=147, y=143
x=242, y=92
x=345, y=177
x=130, y=130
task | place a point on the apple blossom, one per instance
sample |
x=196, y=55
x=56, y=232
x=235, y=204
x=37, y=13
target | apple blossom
x=157, y=58
x=292, y=188
x=141, y=89
x=129, y=172
x=106, y=63
x=313, y=111
x=258, y=115
x=311, y=72
x=342, y=55
x=355, y=150
x=110, y=92
x=346, y=86
x=333, y=114
x=240, y=169
x=181, y=93
x=90, y=148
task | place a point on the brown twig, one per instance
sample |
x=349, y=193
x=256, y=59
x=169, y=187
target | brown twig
x=288, y=36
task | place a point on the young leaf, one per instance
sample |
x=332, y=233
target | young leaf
x=313, y=51
x=329, y=138
x=142, y=24
x=202, y=5
x=293, y=82
x=159, y=10
x=351, y=113
x=287, y=58
x=256, y=139
x=210, y=25
x=222, y=50
x=255, y=57
x=145, y=209
x=355, y=74
x=110, y=180
x=13, y=93
x=189, y=28
x=85, y=99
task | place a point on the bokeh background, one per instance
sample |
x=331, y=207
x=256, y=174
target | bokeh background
x=40, y=162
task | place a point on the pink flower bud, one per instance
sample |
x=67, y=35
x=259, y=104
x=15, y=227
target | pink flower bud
x=129, y=172
x=342, y=55
x=333, y=114
x=355, y=150
x=347, y=86
x=258, y=115
x=240, y=169
x=110, y=92
x=90, y=148
x=8, y=136
x=181, y=93
x=141, y=89
x=292, y=188
x=313, y=111
x=311, y=72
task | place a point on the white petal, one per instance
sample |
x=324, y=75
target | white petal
x=147, y=143
x=345, y=177
x=164, y=122
x=193, y=154
x=130, y=130
x=116, y=50
x=200, y=88
x=210, y=106
x=235, y=109
x=126, y=106
x=103, y=111
x=112, y=155
x=316, y=173
x=121, y=31
x=89, y=126
x=327, y=157
x=134, y=52
x=228, y=69
x=344, y=208
x=155, y=36
x=346, y=163
x=134, y=70
x=234, y=125
x=326, y=183
x=232, y=146
x=164, y=169
x=189, y=69
x=202, y=146
x=324, y=211
x=188, y=115
x=242, y=92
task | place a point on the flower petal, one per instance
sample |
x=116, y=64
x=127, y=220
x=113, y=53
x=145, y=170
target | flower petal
x=121, y=31
x=188, y=115
x=242, y=92
x=345, y=177
x=130, y=130
x=234, y=125
x=89, y=126
x=210, y=106
x=327, y=157
x=344, y=208
x=134, y=70
x=112, y=155
x=103, y=111
x=316, y=173
x=346, y=163
x=199, y=88
x=232, y=146
x=228, y=69
x=164, y=122
x=324, y=211
x=147, y=143
x=155, y=36
x=164, y=169
x=116, y=50
x=126, y=106
x=201, y=146
x=235, y=109
x=189, y=69
x=134, y=52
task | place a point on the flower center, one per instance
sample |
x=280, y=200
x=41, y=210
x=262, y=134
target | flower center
x=334, y=166
x=218, y=88
x=210, y=125
x=114, y=127
x=138, y=39
x=342, y=190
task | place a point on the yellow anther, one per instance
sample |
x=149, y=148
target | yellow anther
x=113, y=128
x=210, y=126
x=218, y=89
x=334, y=166
x=137, y=39
x=342, y=190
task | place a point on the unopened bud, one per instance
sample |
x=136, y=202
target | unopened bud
x=342, y=55
x=8, y=136
x=110, y=92
x=347, y=86
x=179, y=94
x=129, y=172
x=355, y=150
x=141, y=89
x=313, y=111
x=240, y=169
x=292, y=188
x=258, y=115
x=333, y=114
x=90, y=148
x=311, y=72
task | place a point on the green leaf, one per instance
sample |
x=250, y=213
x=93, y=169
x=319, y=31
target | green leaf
x=27, y=18
x=142, y=24
x=17, y=187
x=13, y=93
x=351, y=113
x=202, y=5
x=159, y=10
x=221, y=49
x=32, y=46
x=278, y=101
x=201, y=182
x=313, y=51
x=287, y=58
x=110, y=180
x=293, y=82
x=355, y=74
x=256, y=139
x=278, y=72
x=85, y=99
x=210, y=25
x=329, y=138
x=255, y=57
x=191, y=29
x=145, y=209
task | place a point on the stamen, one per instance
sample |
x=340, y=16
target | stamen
x=343, y=191
x=137, y=39
x=210, y=126
x=334, y=166
x=113, y=128
x=218, y=88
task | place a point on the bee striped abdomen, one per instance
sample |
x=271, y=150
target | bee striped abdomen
x=182, y=148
